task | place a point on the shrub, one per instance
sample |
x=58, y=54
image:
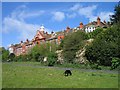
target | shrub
x=43, y=50
x=52, y=57
x=95, y=33
x=105, y=47
x=115, y=63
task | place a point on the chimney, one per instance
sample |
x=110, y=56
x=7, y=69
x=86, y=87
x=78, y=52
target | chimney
x=67, y=29
x=98, y=21
x=81, y=25
x=104, y=22
x=52, y=32
x=27, y=40
x=46, y=33
x=21, y=42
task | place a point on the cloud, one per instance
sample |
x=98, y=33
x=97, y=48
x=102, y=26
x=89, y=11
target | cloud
x=88, y=12
x=103, y=16
x=25, y=30
x=75, y=7
x=71, y=15
x=16, y=22
x=22, y=12
x=58, y=16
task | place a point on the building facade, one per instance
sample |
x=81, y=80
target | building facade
x=55, y=37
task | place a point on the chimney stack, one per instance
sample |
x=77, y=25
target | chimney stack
x=52, y=32
x=81, y=25
x=98, y=21
x=21, y=42
x=67, y=29
x=46, y=33
x=104, y=22
x=27, y=40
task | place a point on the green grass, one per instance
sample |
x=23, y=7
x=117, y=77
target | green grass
x=30, y=75
x=0, y=74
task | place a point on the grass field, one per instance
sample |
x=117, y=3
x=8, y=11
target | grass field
x=32, y=75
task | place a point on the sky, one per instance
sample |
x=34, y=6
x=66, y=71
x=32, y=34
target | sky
x=21, y=20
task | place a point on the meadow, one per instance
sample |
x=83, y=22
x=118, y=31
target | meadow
x=33, y=75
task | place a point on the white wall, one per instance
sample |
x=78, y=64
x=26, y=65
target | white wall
x=89, y=29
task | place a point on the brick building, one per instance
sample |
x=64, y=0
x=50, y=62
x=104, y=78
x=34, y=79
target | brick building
x=55, y=37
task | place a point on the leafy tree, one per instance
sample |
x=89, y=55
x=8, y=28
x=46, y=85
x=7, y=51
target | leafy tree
x=44, y=50
x=73, y=43
x=4, y=53
x=116, y=17
x=105, y=47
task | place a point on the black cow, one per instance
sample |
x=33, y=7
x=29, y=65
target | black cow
x=67, y=72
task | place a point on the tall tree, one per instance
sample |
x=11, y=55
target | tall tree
x=4, y=54
x=72, y=43
x=116, y=17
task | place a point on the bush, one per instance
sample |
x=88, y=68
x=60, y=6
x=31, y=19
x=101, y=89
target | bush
x=22, y=58
x=105, y=47
x=115, y=63
x=95, y=33
x=11, y=56
x=43, y=50
x=52, y=57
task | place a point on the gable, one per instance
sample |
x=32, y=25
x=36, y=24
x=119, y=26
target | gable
x=39, y=35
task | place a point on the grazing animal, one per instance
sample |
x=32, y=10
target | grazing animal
x=67, y=72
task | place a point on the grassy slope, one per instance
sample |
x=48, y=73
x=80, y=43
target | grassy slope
x=17, y=76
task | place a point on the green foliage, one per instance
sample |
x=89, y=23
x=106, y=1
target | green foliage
x=23, y=58
x=95, y=33
x=44, y=50
x=72, y=43
x=95, y=66
x=61, y=45
x=115, y=63
x=105, y=46
x=4, y=54
x=52, y=57
x=11, y=56
x=116, y=17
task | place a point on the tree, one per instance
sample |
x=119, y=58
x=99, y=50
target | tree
x=73, y=43
x=52, y=57
x=116, y=17
x=44, y=50
x=105, y=47
x=4, y=53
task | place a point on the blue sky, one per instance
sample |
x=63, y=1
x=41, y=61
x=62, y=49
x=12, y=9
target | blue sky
x=20, y=21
